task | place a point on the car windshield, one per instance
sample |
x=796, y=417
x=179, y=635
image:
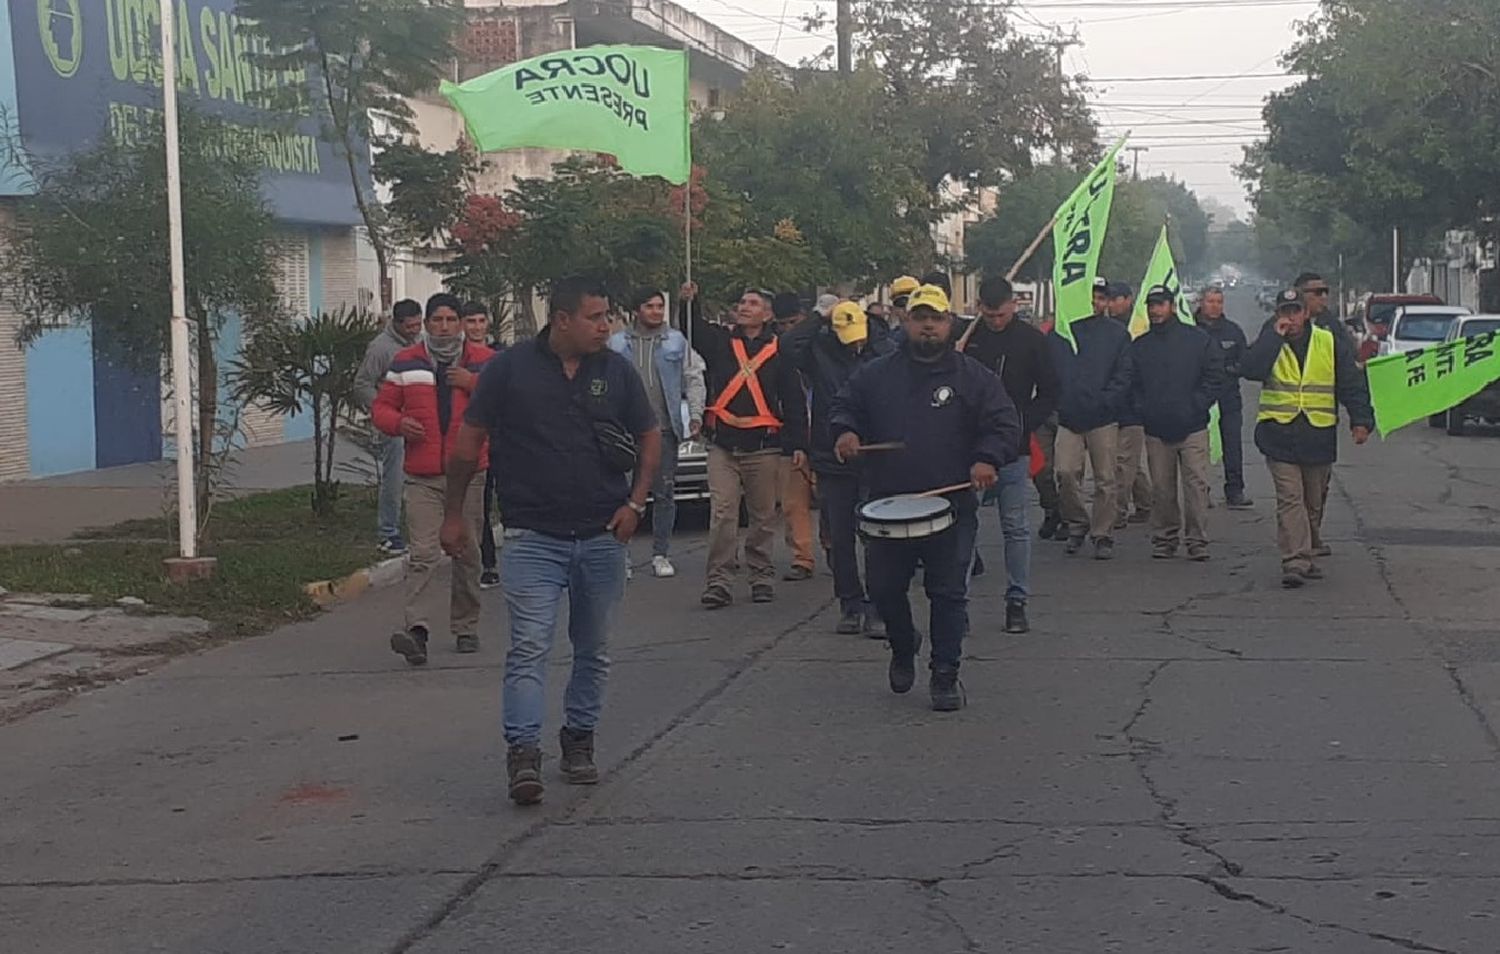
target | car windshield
x=1473, y=329
x=1424, y=327
x=1381, y=314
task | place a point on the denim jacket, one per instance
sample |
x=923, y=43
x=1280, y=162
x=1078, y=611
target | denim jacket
x=680, y=371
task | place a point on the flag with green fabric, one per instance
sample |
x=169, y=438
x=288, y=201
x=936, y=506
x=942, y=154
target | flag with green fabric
x=1163, y=271
x=1077, y=239
x=628, y=101
x=1418, y=384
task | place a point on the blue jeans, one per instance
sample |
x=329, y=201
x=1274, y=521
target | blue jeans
x=1015, y=477
x=535, y=569
x=390, y=460
x=664, y=496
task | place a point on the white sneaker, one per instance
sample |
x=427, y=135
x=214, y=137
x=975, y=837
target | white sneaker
x=662, y=567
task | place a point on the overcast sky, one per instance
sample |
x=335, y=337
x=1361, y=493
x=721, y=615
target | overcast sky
x=1195, y=128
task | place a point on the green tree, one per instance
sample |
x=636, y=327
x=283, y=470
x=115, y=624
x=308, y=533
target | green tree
x=296, y=366
x=363, y=58
x=91, y=247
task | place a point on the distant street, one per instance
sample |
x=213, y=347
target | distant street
x=1179, y=759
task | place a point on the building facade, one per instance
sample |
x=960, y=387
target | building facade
x=73, y=71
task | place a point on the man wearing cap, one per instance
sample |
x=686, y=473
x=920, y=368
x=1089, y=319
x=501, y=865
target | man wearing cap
x=1018, y=353
x=901, y=289
x=1306, y=372
x=1179, y=374
x=828, y=352
x=1132, y=477
x=959, y=428
x=796, y=482
x=1101, y=296
x=1230, y=338
x=1095, y=386
x=756, y=417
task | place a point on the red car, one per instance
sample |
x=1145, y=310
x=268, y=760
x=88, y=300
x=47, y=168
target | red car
x=1380, y=309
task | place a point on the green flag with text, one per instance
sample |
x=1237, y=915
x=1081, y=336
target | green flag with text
x=1418, y=384
x=628, y=101
x=1163, y=271
x=1077, y=238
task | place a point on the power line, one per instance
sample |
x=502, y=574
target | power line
x=1202, y=77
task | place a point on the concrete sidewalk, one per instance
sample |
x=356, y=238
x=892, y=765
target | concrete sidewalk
x=53, y=509
x=1180, y=759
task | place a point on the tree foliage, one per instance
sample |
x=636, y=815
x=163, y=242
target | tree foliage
x=91, y=247
x=363, y=59
x=429, y=190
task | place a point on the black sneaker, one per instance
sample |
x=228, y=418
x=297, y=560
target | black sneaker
x=716, y=597
x=903, y=673
x=1104, y=549
x=412, y=644
x=1292, y=580
x=1051, y=524
x=1239, y=502
x=762, y=593
x=1015, y=617
x=523, y=763
x=577, y=757
x=466, y=644
x=1074, y=545
x=850, y=623
x=489, y=579
x=947, y=691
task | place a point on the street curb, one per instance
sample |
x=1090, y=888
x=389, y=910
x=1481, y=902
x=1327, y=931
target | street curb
x=328, y=593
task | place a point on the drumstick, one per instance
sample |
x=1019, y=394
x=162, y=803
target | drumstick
x=887, y=446
x=966, y=485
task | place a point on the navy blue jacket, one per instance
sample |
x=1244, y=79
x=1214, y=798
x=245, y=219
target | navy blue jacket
x=1232, y=343
x=1096, y=380
x=1178, y=376
x=951, y=413
x=827, y=364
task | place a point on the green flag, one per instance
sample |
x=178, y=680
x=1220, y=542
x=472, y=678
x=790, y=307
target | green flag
x=1163, y=271
x=628, y=101
x=1415, y=385
x=1077, y=238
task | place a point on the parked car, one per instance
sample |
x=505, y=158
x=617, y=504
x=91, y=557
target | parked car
x=1419, y=326
x=692, y=468
x=1486, y=404
x=1378, y=310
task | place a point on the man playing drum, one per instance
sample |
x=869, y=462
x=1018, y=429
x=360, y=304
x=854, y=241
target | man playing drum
x=959, y=428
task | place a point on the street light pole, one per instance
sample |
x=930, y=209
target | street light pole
x=182, y=374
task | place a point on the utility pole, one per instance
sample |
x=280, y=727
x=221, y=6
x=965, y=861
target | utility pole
x=1135, y=169
x=845, y=31
x=1060, y=45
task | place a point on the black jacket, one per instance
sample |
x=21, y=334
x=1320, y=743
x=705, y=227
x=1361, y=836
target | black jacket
x=1021, y=357
x=826, y=365
x=779, y=382
x=1230, y=338
x=951, y=413
x=1299, y=442
x=1128, y=416
x=1179, y=375
x=1096, y=380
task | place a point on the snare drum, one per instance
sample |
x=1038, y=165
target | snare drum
x=905, y=518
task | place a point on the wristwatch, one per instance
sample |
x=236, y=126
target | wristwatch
x=640, y=509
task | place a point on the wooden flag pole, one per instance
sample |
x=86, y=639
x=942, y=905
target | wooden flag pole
x=1010, y=276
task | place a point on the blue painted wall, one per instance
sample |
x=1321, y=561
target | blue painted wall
x=60, y=402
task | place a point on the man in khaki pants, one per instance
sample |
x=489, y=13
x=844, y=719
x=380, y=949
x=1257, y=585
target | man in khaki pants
x=1306, y=371
x=1132, y=476
x=1095, y=379
x=1179, y=374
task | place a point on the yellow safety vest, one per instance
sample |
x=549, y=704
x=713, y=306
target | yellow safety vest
x=1306, y=389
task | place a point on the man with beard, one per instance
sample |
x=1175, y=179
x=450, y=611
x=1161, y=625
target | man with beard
x=422, y=401
x=959, y=427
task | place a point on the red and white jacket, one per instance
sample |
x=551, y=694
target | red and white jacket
x=410, y=390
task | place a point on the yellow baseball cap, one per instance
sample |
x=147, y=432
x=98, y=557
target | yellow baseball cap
x=904, y=285
x=928, y=296
x=849, y=322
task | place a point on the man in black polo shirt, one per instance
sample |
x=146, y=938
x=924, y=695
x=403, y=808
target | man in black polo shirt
x=555, y=411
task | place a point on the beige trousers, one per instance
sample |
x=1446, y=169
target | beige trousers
x=755, y=477
x=1132, y=481
x=1187, y=463
x=1100, y=448
x=424, y=518
x=796, y=509
x=1301, y=491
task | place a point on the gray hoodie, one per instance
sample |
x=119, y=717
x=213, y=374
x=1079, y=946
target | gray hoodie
x=378, y=358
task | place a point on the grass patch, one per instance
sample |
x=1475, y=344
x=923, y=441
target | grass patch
x=268, y=545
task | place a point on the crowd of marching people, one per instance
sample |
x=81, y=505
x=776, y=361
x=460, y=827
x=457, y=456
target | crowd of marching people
x=897, y=422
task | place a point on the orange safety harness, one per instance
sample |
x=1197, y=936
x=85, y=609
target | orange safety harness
x=748, y=376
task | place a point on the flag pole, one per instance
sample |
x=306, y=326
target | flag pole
x=687, y=192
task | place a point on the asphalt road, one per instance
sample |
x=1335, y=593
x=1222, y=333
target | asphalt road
x=1179, y=758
